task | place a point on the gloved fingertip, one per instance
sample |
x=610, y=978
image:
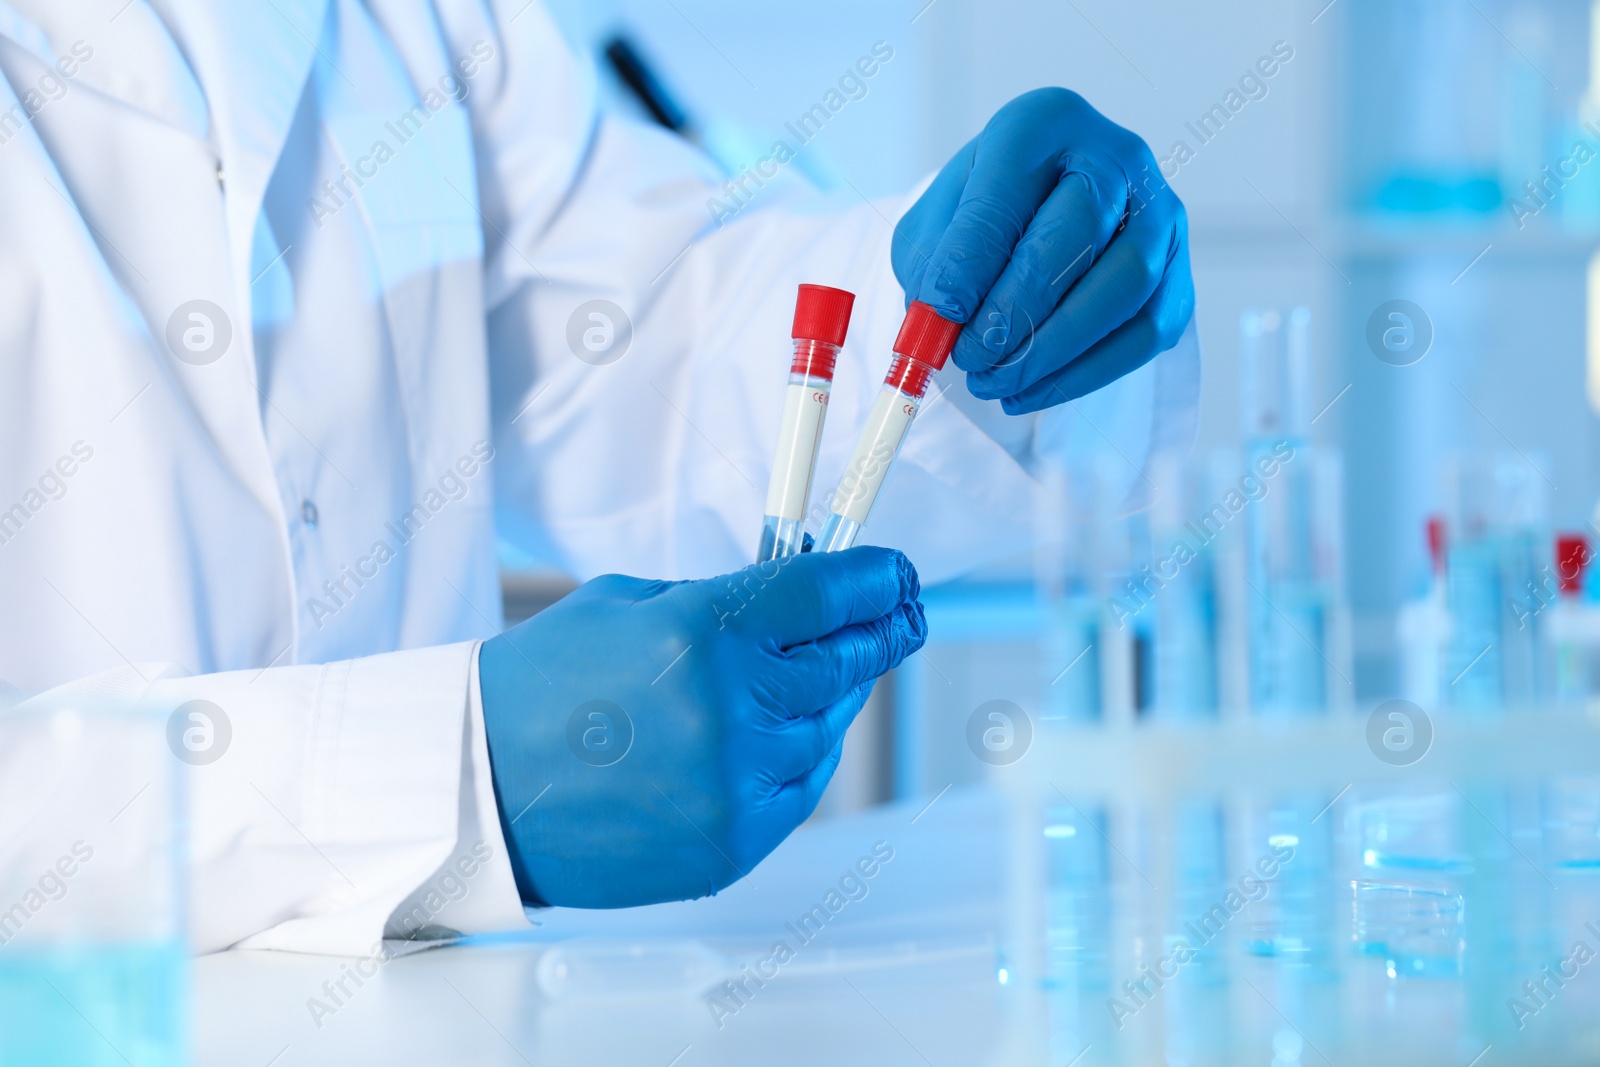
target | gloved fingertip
x=913, y=634
x=901, y=637
x=1027, y=404
x=910, y=584
x=945, y=291
x=984, y=387
x=953, y=306
x=970, y=355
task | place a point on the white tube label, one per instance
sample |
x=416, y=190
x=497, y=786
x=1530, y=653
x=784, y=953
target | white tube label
x=798, y=437
x=880, y=439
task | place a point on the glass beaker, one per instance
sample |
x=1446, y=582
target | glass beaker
x=93, y=958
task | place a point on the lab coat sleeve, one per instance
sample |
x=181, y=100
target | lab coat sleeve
x=652, y=456
x=346, y=790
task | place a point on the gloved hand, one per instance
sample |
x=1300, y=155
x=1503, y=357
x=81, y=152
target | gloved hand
x=1054, y=237
x=683, y=728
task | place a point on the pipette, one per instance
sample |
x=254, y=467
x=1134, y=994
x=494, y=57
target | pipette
x=920, y=350
x=821, y=317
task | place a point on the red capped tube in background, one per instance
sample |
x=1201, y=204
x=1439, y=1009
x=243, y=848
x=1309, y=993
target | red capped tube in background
x=821, y=316
x=921, y=348
x=1572, y=557
x=1437, y=543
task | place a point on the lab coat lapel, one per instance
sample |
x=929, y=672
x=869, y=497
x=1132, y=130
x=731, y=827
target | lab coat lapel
x=253, y=58
x=130, y=58
x=145, y=196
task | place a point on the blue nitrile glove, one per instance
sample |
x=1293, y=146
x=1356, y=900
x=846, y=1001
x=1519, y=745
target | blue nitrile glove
x=1054, y=237
x=683, y=728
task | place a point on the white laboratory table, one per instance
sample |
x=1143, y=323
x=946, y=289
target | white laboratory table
x=943, y=962
x=918, y=979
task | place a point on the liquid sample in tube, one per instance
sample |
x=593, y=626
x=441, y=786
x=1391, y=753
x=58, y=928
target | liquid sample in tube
x=821, y=317
x=920, y=350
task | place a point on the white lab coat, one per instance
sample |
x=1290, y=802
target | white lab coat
x=174, y=528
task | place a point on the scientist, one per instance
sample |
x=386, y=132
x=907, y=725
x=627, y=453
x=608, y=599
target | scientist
x=296, y=301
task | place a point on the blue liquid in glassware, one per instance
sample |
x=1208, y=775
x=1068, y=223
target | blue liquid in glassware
x=92, y=1004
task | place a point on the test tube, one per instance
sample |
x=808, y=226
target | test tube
x=923, y=345
x=821, y=317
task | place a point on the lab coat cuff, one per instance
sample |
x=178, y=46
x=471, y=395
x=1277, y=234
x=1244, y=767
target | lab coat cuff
x=383, y=795
x=474, y=890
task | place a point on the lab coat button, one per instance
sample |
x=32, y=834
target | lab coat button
x=308, y=512
x=222, y=182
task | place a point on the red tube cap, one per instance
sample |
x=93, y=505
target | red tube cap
x=1437, y=542
x=1572, y=557
x=926, y=336
x=822, y=313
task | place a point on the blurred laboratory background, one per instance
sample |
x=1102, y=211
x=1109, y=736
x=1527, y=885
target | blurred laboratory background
x=1358, y=626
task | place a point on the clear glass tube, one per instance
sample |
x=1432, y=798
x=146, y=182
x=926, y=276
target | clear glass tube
x=1290, y=492
x=805, y=408
x=880, y=442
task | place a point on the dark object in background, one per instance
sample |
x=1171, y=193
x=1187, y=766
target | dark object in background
x=641, y=80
